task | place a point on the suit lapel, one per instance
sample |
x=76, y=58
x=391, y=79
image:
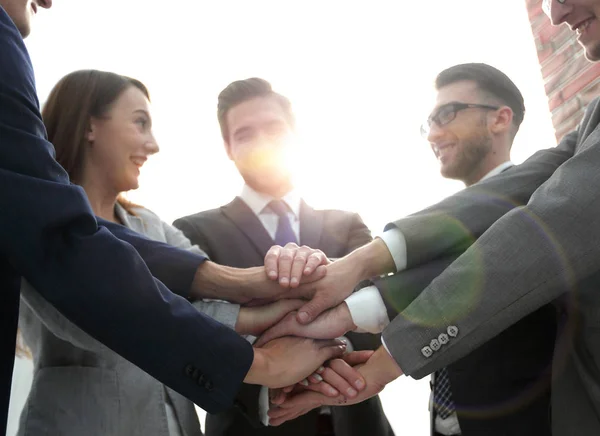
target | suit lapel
x=243, y=217
x=311, y=226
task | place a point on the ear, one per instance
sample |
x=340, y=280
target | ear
x=228, y=150
x=502, y=121
x=90, y=133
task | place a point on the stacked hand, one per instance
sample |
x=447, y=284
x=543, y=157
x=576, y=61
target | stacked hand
x=306, y=273
x=378, y=370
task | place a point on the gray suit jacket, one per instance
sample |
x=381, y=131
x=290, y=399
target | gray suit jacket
x=233, y=235
x=81, y=387
x=539, y=239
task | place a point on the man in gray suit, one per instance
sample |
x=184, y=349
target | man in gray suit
x=256, y=125
x=502, y=387
x=528, y=236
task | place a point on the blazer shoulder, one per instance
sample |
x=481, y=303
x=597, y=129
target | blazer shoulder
x=201, y=217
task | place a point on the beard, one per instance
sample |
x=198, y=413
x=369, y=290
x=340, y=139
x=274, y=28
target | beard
x=472, y=151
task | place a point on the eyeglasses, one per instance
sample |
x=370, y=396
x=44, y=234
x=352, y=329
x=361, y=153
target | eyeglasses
x=547, y=3
x=446, y=113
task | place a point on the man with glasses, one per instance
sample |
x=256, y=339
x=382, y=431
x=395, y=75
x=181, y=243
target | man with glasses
x=526, y=237
x=501, y=388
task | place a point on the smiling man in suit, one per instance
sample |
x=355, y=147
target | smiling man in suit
x=502, y=387
x=257, y=125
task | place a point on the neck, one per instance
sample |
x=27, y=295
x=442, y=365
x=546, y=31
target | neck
x=274, y=191
x=492, y=160
x=102, y=201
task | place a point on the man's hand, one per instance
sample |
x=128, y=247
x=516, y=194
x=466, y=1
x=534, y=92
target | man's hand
x=337, y=378
x=292, y=265
x=286, y=361
x=341, y=278
x=255, y=320
x=237, y=285
x=329, y=325
x=378, y=371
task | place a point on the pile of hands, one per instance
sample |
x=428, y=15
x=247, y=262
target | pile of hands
x=297, y=313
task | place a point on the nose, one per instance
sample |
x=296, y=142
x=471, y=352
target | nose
x=557, y=12
x=46, y=4
x=435, y=133
x=152, y=147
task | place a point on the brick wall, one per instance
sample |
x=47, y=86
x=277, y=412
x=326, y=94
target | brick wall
x=571, y=82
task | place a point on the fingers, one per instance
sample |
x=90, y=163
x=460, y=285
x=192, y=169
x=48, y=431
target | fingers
x=358, y=357
x=320, y=302
x=290, y=264
x=344, y=377
x=330, y=348
x=272, y=262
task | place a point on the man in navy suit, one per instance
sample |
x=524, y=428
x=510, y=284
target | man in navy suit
x=49, y=235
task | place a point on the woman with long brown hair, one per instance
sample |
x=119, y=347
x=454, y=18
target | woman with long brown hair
x=101, y=126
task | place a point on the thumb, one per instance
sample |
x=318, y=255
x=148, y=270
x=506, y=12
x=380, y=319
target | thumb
x=358, y=357
x=330, y=349
x=313, y=308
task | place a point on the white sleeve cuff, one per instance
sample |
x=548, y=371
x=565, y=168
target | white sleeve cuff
x=367, y=310
x=263, y=405
x=396, y=243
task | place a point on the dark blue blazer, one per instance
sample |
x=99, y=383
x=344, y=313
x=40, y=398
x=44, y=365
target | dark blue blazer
x=49, y=235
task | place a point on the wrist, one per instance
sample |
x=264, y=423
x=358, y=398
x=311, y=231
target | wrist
x=258, y=372
x=373, y=259
x=219, y=282
x=349, y=324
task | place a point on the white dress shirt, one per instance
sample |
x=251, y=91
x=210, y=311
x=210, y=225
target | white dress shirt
x=368, y=311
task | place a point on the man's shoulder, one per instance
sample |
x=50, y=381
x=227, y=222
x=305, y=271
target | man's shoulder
x=206, y=216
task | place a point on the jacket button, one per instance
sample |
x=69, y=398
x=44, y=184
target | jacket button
x=435, y=344
x=209, y=386
x=452, y=331
x=426, y=351
x=443, y=338
x=201, y=380
x=189, y=370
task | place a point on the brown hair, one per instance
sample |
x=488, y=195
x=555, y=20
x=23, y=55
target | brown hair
x=243, y=90
x=73, y=101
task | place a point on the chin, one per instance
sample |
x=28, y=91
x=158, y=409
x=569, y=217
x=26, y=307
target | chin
x=592, y=52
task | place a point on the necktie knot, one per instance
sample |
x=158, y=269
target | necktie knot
x=280, y=208
x=284, y=233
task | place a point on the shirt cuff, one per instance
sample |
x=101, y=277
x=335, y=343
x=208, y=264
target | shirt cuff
x=396, y=243
x=263, y=405
x=367, y=310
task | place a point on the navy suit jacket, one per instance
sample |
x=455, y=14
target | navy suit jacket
x=49, y=235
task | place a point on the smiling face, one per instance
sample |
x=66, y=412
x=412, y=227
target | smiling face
x=120, y=142
x=463, y=145
x=582, y=17
x=259, y=137
x=22, y=12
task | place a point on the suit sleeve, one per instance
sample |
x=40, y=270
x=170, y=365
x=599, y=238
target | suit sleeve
x=455, y=223
x=50, y=236
x=359, y=233
x=526, y=259
x=174, y=265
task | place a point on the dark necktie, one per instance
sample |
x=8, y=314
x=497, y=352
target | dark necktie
x=442, y=395
x=284, y=233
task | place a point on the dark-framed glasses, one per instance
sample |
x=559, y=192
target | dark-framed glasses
x=547, y=3
x=447, y=112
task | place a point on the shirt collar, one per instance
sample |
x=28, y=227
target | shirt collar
x=258, y=201
x=498, y=170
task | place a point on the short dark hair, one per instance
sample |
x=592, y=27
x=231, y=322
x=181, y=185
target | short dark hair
x=490, y=80
x=243, y=90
